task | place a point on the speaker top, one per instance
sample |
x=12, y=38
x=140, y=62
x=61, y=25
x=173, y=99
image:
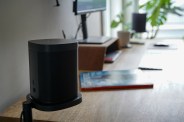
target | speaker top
x=51, y=45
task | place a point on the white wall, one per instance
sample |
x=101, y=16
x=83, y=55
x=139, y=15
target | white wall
x=23, y=20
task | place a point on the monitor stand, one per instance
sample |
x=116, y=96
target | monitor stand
x=94, y=40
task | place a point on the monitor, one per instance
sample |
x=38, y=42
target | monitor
x=88, y=6
x=84, y=7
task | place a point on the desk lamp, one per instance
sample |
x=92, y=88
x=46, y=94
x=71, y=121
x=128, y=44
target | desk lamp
x=53, y=76
x=138, y=23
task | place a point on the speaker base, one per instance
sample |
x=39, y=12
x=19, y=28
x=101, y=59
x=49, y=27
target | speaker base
x=54, y=107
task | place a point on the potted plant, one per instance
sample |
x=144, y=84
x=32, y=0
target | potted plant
x=157, y=11
x=124, y=34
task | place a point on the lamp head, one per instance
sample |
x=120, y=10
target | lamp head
x=53, y=67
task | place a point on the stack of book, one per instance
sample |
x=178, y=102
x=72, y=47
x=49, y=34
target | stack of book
x=112, y=56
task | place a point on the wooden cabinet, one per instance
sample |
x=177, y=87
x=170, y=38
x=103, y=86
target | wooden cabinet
x=91, y=56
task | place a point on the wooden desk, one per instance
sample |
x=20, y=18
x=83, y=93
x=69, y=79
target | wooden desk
x=164, y=103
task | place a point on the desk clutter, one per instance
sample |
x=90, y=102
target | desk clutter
x=153, y=59
x=110, y=105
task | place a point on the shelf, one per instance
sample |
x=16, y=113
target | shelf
x=91, y=56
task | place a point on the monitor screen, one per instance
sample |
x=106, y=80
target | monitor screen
x=87, y=6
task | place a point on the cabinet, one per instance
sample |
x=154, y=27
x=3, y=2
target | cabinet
x=91, y=56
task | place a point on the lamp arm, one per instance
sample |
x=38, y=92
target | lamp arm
x=57, y=3
x=27, y=111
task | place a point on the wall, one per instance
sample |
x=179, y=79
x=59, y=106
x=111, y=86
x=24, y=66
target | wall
x=23, y=20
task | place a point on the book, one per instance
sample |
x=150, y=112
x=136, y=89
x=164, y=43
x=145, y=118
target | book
x=114, y=80
x=112, y=56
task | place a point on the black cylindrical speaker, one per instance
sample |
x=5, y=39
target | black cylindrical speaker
x=139, y=22
x=53, y=67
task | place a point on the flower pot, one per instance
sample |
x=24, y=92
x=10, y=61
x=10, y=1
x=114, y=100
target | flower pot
x=123, y=39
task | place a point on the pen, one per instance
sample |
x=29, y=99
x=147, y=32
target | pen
x=146, y=68
x=64, y=34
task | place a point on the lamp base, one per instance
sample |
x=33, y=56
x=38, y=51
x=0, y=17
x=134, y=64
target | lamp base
x=54, y=107
x=26, y=114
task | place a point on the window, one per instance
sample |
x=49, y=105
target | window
x=174, y=27
x=114, y=7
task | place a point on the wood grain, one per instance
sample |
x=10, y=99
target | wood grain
x=164, y=103
x=91, y=56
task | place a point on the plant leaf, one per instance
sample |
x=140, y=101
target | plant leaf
x=157, y=11
x=128, y=4
x=114, y=24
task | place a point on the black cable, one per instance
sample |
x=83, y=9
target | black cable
x=78, y=30
x=21, y=116
x=57, y=3
x=80, y=27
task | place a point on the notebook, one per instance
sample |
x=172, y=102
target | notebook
x=114, y=80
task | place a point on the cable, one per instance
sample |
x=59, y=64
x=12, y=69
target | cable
x=88, y=15
x=80, y=26
x=78, y=30
x=57, y=3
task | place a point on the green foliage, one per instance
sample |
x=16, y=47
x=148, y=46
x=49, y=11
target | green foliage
x=120, y=19
x=157, y=11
